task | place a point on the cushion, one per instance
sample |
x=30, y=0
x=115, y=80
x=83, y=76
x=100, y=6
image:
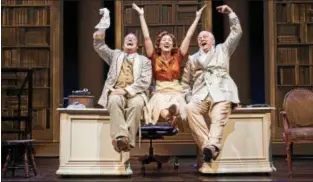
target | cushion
x=157, y=131
x=301, y=133
x=16, y=142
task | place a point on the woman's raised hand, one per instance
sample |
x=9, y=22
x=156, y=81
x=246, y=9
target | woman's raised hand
x=199, y=12
x=139, y=10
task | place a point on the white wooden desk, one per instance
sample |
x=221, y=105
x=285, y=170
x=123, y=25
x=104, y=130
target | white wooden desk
x=84, y=149
x=246, y=143
x=85, y=144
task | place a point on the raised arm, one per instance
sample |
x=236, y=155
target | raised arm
x=101, y=48
x=232, y=41
x=145, y=31
x=185, y=44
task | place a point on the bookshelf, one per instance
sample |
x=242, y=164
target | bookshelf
x=30, y=40
x=172, y=16
x=293, y=45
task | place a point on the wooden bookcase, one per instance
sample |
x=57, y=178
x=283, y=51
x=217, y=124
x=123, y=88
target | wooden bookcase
x=292, y=60
x=172, y=16
x=31, y=39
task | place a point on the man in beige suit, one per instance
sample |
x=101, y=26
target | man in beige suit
x=124, y=92
x=209, y=89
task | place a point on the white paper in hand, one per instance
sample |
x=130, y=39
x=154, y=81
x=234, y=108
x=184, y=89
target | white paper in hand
x=105, y=20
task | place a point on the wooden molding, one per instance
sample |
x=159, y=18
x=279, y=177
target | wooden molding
x=57, y=65
x=118, y=24
x=207, y=20
x=269, y=66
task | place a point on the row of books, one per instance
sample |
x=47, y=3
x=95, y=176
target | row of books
x=25, y=58
x=294, y=55
x=25, y=16
x=15, y=80
x=162, y=14
x=39, y=118
x=287, y=75
x=11, y=102
x=24, y=2
x=294, y=12
x=25, y=36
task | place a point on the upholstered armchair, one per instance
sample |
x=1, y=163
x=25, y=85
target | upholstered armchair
x=297, y=120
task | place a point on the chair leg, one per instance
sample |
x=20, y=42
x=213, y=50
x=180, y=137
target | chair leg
x=159, y=166
x=175, y=163
x=288, y=152
x=143, y=169
x=147, y=158
x=150, y=148
x=33, y=161
x=14, y=153
x=26, y=168
x=7, y=159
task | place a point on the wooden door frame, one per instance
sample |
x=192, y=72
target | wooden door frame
x=269, y=64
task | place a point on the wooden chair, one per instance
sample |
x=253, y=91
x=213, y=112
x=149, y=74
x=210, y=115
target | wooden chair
x=19, y=153
x=297, y=120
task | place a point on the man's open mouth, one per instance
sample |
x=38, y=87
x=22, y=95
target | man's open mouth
x=203, y=43
x=130, y=44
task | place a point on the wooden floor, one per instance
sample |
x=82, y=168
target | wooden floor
x=303, y=171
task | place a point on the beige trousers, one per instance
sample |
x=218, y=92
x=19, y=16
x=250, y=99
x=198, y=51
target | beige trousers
x=207, y=121
x=125, y=115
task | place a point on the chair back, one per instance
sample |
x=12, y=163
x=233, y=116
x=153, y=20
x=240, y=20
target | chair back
x=298, y=105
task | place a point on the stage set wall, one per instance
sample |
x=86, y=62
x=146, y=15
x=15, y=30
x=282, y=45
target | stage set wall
x=248, y=71
x=81, y=67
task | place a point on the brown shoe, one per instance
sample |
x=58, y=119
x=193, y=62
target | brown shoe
x=122, y=143
x=114, y=143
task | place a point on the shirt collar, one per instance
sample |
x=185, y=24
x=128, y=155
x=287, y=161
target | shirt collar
x=202, y=53
x=130, y=57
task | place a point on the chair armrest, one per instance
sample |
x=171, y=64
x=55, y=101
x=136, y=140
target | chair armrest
x=284, y=120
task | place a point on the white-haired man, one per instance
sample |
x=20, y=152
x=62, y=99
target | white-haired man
x=210, y=91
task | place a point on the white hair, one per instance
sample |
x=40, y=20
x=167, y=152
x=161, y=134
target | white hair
x=210, y=34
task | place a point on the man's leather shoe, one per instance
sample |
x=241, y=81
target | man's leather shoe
x=122, y=143
x=210, y=152
x=114, y=143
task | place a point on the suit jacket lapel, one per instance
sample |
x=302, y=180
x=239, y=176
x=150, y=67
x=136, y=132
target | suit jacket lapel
x=119, y=63
x=136, y=67
x=197, y=62
x=209, y=57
